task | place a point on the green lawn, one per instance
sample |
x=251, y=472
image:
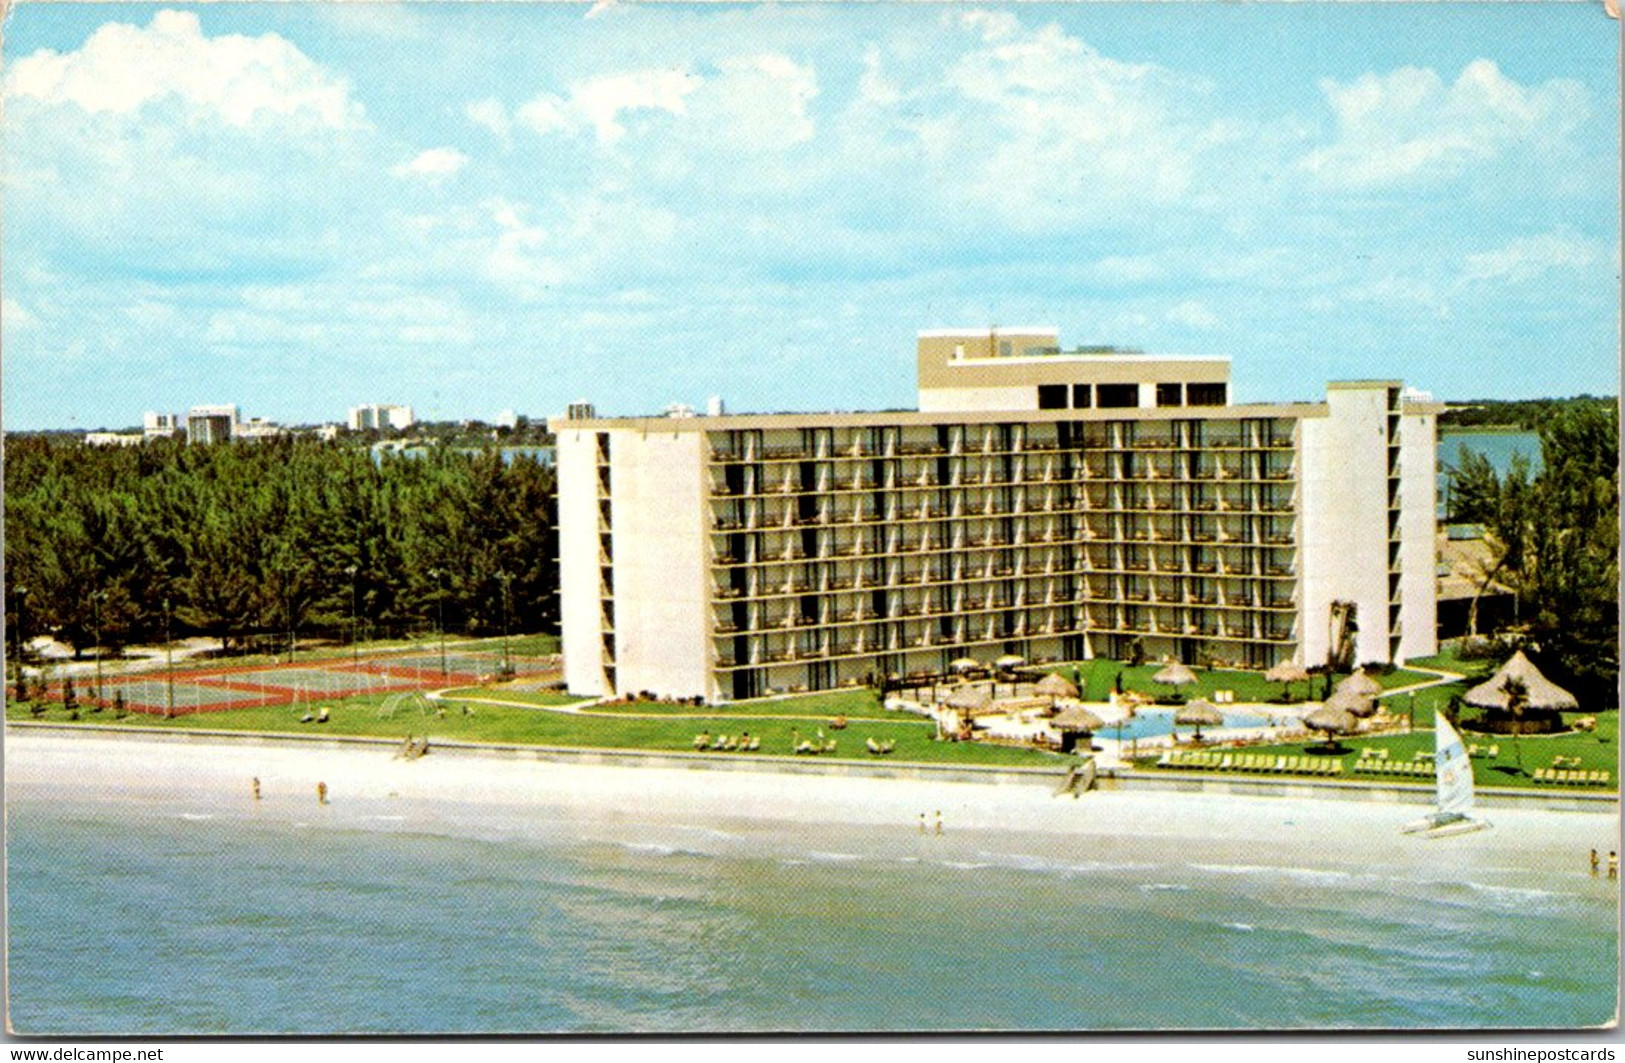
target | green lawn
x=854, y=704
x=1597, y=751
x=1099, y=677
x=497, y=723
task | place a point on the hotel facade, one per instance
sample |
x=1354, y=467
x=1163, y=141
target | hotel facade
x=1055, y=505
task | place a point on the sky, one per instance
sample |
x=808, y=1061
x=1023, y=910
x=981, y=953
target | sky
x=473, y=207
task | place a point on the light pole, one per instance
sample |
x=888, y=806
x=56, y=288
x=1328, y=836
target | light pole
x=355, y=646
x=440, y=615
x=506, y=579
x=169, y=668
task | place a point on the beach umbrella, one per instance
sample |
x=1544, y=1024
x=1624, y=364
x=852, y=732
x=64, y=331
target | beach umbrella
x=1174, y=675
x=1539, y=692
x=1360, y=683
x=965, y=664
x=1286, y=673
x=1055, y=685
x=1009, y=661
x=969, y=699
x=1078, y=718
x=1331, y=720
x=1199, y=714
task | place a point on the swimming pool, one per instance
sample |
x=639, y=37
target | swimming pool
x=1159, y=720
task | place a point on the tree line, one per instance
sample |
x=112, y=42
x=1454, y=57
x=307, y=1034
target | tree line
x=260, y=542
x=1554, y=539
x=1526, y=414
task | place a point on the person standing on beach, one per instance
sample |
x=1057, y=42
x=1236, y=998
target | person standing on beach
x=1594, y=863
x=321, y=793
x=1613, y=864
x=939, y=821
x=256, y=787
x=922, y=822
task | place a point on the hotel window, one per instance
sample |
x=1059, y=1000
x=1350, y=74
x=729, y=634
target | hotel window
x=1205, y=394
x=1082, y=397
x=1117, y=396
x=1170, y=395
x=1052, y=396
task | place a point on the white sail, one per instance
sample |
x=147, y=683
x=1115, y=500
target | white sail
x=1452, y=769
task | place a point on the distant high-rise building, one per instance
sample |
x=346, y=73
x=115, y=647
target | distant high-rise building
x=376, y=416
x=211, y=424
x=159, y=425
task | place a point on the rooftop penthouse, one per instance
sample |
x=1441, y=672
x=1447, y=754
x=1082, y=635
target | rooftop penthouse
x=726, y=556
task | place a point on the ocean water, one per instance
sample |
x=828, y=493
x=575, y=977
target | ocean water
x=134, y=916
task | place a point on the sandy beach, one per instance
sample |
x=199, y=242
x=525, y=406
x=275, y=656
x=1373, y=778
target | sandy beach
x=200, y=777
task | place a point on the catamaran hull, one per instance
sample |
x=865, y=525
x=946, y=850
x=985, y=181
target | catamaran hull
x=1436, y=828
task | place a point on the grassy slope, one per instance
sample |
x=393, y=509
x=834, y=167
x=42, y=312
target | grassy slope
x=496, y=723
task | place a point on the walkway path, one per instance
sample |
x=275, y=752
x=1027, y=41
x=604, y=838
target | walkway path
x=577, y=709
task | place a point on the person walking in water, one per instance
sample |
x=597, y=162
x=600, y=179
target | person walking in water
x=321, y=793
x=1594, y=863
x=256, y=788
x=922, y=822
x=939, y=821
x=1613, y=864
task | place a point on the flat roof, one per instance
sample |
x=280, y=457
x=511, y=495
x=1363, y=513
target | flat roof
x=994, y=330
x=905, y=418
x=1089, y=357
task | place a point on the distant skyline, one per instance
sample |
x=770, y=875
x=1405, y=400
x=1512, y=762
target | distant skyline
x=474, y=207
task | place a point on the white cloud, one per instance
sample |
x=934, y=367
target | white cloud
x=600, y=102
x=1194, y=314
x=1410, y=124
x=13, y=315
x=761, y=101
x=1529, y=256
x=434, y=165
x=1033, y=125
x=122, y=68
x=491, y=115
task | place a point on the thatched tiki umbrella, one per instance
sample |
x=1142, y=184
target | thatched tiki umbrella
x=1174, y=675
x=1055, y=686
x=1286, y=673
x=1331, y=720
x=1519, y=689
x=1199, y=714
x=1009, y=661
x=1072, y=722
x=964, y=664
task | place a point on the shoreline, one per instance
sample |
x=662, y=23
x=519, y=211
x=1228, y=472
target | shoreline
x=785, y=789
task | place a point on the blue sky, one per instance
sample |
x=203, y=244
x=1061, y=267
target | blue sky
x=468, y=207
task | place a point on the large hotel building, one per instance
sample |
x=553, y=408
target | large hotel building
x=1052, y=504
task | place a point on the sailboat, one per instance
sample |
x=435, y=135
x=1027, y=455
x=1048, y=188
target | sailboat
x=1453, y=774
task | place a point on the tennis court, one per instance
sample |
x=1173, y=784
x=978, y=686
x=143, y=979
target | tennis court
x=152, y=695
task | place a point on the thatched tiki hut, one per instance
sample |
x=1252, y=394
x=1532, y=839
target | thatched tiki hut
x=1075, y=722
x=1350, y=700
x=1199, y=714
x=1518, y=699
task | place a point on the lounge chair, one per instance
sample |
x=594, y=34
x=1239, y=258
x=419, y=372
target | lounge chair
x=872, y=746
